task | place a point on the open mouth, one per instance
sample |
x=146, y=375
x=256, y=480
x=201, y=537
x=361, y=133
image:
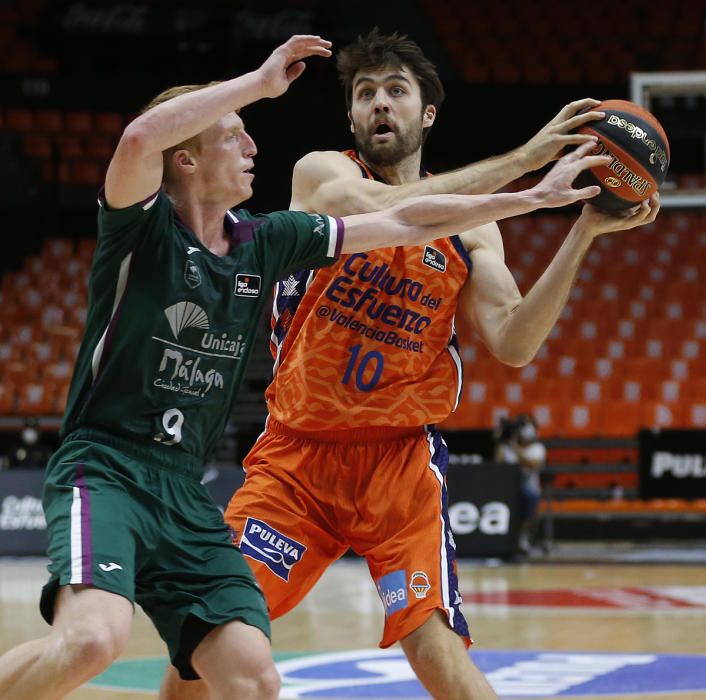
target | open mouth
x=381, y=129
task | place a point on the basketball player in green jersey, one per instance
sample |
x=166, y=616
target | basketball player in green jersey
x=176, y=289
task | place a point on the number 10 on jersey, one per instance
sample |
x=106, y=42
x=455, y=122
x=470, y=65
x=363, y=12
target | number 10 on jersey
x=357, y=366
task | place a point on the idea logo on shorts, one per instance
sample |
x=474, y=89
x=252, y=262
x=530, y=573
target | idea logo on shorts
x=392, y=589
x=263, y=543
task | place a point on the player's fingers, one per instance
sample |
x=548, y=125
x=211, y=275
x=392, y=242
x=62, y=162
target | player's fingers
x=588, y=192
x=295, y=70
x=576, y=106
x=302, y=45
x=583, y=150
x=594, y=161
x=580, y=119
x=570, y=139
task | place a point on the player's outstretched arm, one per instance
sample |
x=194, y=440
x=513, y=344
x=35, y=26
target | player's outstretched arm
x=135, y=171
x=512, y=327
x=328, y=181
x=421, y=219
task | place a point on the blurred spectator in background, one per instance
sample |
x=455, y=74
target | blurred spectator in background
x=31, y=453
x=518, y=443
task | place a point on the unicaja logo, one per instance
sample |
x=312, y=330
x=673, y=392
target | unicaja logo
x=185, y=314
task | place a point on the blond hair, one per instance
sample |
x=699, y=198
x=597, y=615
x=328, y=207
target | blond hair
x=193, y=143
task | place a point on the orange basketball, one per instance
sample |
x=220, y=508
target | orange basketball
x=639, y=152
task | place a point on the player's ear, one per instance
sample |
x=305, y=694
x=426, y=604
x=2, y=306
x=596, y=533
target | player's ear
x=352, y=124
x=184, y=160
x=429, y=116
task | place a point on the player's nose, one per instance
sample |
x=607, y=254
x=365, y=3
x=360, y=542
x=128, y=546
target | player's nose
x=380, y=101
x=249, y=147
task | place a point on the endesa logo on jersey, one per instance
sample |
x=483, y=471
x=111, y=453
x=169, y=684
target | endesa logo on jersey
x=434, y=258
x=262, y=542
x=392, y=589
x=247, y=285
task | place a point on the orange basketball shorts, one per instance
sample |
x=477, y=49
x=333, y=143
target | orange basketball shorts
x=305, y=502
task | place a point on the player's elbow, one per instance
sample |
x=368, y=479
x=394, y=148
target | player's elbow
x=513, y=353
x=514, y=358
x=135, y=139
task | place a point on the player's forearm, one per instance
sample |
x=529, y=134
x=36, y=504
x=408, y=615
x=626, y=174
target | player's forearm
x=483, y=177
x=445, y=215
x=530, y=322
x=422, y=219
x=182, y=117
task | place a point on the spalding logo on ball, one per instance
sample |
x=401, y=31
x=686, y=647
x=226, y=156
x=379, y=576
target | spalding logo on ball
x=639, y=152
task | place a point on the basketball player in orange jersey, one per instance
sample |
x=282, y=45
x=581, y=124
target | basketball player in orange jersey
x=366, y=362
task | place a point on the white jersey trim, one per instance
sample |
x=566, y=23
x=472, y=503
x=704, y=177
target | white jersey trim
x=119, y=292
x=333, y=236
x=457, y=362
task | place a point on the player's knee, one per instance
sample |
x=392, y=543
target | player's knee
x=94, y=648
x=262, y=684
x=432, y=642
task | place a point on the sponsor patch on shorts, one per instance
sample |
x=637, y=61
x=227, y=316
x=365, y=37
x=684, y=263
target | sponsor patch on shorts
x=263, y=543
x=392, y=589
x=419, y=583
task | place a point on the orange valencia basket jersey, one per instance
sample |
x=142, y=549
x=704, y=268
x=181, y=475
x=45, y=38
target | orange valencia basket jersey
x=369, y=341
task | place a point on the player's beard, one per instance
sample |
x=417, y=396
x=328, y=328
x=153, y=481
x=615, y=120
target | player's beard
x=405, y=143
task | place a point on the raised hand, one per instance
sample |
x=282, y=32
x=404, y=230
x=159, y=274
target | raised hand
x=556, y=188
x=286, y=63
x=598, y=221
x=548, y=144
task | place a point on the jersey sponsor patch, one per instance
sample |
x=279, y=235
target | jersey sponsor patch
x=247, y=285
x=434, y=258
x=263, y=543
x=392, y=589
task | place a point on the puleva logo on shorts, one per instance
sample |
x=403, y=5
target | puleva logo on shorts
x=262, y=542
x=247, y=286
x=434, y=258
x=392, y=589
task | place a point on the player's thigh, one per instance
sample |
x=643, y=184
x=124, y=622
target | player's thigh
x=412, y=557
x=89, y=543
x=192, y=579
x=282, y=524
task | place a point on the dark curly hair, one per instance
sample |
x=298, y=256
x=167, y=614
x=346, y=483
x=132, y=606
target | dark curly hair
x=376, y=50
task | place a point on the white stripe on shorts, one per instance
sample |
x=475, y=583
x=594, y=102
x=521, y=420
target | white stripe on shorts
x=76, y=541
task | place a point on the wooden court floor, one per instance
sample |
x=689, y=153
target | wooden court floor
x=620, y=609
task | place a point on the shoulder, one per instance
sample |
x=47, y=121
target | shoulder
x=316, y=181
x=486, y=237
x=325, y=165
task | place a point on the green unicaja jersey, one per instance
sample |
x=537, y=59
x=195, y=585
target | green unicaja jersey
x=170, y=325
